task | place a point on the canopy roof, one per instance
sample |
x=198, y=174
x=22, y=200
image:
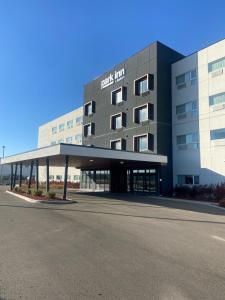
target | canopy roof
x=85, y=157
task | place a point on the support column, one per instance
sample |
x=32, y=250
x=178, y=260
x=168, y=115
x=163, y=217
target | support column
x=37, y=174
x=31, y=172
x=65, y=176
x=131, y=181
x=15, y=175
x=47, y=174
x=118, y=179
x=11, y=178
x=20, y=180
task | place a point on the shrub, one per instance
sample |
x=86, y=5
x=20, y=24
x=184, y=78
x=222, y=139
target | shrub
x=37, y=193
x=222, y=203
x=29, y=192
x=50, y=195
x=219, y=191
x=16, y=189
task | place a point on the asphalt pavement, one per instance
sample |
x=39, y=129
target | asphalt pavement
x=111, y=247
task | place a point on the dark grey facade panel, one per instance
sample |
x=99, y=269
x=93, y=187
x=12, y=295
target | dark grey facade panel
x=156, y=60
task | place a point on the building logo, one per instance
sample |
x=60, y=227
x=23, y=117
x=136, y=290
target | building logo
x=112, y=78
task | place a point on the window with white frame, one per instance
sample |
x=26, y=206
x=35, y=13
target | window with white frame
x=190, y=106
x=188, y=179
x=69, y=124
x=216, y=64
x=76, y=177
x=89, y=129
x=59, y=177
x=143, y=84
x=61, y=127
x=143, y=113
x=189, y=139
x=188, y=78
x=217, y=134
x=79, y=120
x=144, y=142
x=217, y=99
x=116, y=144
x=118, y=121
x=54, y=130
x=61, y=141
x=51, y=177
x=89, y=108
x=69, y=140
x=118, y=95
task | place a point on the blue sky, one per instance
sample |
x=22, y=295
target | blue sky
x=50, y=48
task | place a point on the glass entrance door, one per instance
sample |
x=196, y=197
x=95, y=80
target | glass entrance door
x=145, y=180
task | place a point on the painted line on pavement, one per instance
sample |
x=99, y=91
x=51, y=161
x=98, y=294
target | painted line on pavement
x=218, y=238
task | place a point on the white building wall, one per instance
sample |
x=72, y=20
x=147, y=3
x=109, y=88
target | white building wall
x=47, y=138
x=207, y=162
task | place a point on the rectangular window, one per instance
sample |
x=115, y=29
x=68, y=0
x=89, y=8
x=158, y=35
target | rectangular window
x=186, y=78
x=186, y=107
x=217, y=99
x=69, y=140
x=188, y=179
x=217, y=134
x=59, y=177
x=144, y=84
x=51, y=177
x=216, y=65
x=116, y=145
x=78, y=138
x=53, y=143
x=143, y=113
x=89, y=108
x=54, y=130
x=89, y=129
x=144, y=142
x=118, y=121
x=76, y=177
x=61, y=127
x=61, y=141
x=191, y=138
x=69, y=124
x=118, y=95
x=79, y=120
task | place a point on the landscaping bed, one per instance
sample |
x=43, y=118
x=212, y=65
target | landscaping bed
x=210, y=193
x=37, y=194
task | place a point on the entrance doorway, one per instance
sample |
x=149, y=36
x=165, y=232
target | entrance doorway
x=144, y=180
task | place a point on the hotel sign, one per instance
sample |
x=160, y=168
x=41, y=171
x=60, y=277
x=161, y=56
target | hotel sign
x=112, y=78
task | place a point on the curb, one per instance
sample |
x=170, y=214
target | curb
x=210, y=204
x=40, y=201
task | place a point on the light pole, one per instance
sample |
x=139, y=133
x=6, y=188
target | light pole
x=3, y=155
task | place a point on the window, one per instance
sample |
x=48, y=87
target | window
x=118, y=121
x=89, y=108
x=143, y=84
x=51, y=177
x=191, y=138
x=144, y=142
x=69, y=124
x=68, y=177
x=118, y=95
x=186, y=78
x=61, y=141
x=188, y=179
x=217, y=64
x=59, y=177
x=217, y=99
x=186, y=107
x=116, y=144
x=89, y=129
x=79, y=120
x=54, y=130
x=61, y=127
x=143, y=113
x=69, y=140
x=53, y=143
x=217, y=134
x=78, y=138
x=76, y=177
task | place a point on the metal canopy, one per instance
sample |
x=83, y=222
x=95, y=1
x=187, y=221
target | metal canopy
x=85, y=157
